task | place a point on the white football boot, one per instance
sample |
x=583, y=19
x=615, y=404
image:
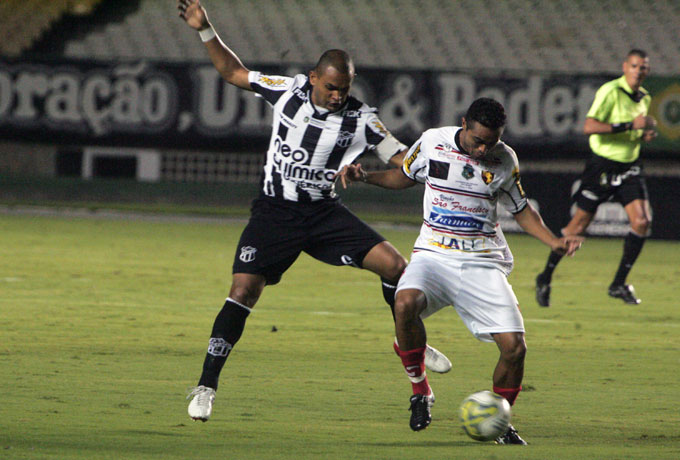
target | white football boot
x=200, y=406
x=436, y=361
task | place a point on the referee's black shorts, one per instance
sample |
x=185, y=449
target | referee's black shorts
x=604, y=180
x=279, y=230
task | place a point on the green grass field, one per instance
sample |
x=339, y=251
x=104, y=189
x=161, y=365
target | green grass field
x=104, y=325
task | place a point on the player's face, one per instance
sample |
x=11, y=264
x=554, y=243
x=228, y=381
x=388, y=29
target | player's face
x=330, y=88
x=636, y=70
x=478, y=139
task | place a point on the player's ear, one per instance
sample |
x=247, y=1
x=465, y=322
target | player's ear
x=313, y=77
x=463, y=123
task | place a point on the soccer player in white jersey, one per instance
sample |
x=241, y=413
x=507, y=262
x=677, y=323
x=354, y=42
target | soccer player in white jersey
x=461, y=257
x=317, y=129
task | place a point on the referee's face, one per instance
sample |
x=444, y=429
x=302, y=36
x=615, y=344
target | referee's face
x=636, y=69
x=330, y=88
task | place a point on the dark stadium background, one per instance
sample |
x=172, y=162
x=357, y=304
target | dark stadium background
x=116, y=102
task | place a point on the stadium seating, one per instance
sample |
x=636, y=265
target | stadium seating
x=24, y=21
x=588, y=36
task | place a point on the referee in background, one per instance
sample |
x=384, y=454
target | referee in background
x=617, y=123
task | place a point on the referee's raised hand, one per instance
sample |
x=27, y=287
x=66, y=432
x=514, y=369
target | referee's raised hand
x=193, y=14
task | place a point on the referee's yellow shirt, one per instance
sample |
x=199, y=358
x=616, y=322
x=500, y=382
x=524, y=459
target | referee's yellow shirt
x=615, y=102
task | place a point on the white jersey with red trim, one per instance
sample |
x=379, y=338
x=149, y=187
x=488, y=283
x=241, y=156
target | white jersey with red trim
x=461, y=194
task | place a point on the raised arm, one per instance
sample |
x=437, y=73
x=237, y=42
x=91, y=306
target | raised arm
x=225, y=60
x=530, y=220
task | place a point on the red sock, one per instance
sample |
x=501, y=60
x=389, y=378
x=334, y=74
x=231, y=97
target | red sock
x=508, y=393
x=414, y=365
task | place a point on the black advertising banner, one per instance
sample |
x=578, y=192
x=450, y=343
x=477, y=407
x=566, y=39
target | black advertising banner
x=187, y=105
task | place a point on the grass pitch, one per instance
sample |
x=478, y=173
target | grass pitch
x=104, y=325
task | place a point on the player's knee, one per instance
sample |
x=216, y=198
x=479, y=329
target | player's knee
x=406, y=309
x=515, y=352
x=641, y=225
x=395, y=268
x=245, y=294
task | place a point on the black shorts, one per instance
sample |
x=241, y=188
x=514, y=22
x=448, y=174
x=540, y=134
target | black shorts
x=604, y=180
x=279, y=230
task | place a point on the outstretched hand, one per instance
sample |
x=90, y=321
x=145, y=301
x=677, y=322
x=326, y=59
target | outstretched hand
x=351, y=173
x=193, y=14
x=568, y=245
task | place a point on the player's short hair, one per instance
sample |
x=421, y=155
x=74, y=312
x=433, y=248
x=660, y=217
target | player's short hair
x=488, y=112
x=340, y=60
x=636, y=52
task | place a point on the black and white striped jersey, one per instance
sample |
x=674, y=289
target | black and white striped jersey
x=309, y=145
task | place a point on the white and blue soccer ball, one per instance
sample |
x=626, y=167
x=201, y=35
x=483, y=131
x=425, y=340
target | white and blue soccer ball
x=485, y=415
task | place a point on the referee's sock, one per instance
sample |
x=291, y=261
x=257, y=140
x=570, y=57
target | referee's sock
x=553, y=259
x=632, y=246
x=227, y=329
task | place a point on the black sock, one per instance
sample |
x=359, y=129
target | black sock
x=553, y=259
x=227, y=329
x=632, y=246
x=389, y=289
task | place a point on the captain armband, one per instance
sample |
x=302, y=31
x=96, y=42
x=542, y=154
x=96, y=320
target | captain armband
x=621, y=127
x=388, y=147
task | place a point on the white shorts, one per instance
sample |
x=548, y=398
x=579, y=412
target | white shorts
x=478, y=290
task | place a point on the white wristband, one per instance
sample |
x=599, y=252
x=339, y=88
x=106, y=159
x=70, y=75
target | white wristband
x=207, y=34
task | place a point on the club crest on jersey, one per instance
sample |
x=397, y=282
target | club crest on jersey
x=468, y=172
x=247, y=254
x=487, y=177
x=344, y=139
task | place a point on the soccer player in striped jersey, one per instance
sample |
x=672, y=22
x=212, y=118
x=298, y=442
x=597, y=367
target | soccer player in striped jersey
x=461, y=257
x=318, y=128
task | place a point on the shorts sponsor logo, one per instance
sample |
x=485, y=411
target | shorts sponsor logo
x=247, y=254
x=468, y=172
x=589, y=195
x=219, y=347
x=347, y=260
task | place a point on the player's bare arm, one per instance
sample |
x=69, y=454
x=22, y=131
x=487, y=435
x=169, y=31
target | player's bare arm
x=398, y=158
x=393, y=179
x=530, y=220
x=225, y=60
x=593, y=126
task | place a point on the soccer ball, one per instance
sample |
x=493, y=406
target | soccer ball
x=485, y=415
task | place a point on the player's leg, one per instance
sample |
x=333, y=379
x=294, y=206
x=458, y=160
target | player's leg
x=640, y=218
x=576, y=226
x=492, y=314
x=410, y=347
x=508, y=374
x=344, y=239
x=423, y=289
x=261, y=258
x=227, y=330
